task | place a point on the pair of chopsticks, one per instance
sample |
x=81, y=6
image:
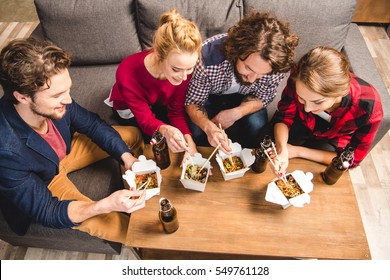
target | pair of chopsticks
x=283, y=177
x=204, y=164
x=216, y=148
x=145, y=185
x=230, y=156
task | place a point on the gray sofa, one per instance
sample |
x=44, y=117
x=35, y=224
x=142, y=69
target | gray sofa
x=101, y=33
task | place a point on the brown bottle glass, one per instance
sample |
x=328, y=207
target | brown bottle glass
x=160, y=150
x=168, y=216
x=261, y=159
x=338, y=166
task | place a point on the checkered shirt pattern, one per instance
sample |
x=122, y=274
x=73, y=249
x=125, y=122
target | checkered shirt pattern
x=216, y=78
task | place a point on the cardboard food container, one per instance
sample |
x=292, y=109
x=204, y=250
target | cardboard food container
x=275, y=195
x=244, y=154
x=197, y=159
x=143, y=166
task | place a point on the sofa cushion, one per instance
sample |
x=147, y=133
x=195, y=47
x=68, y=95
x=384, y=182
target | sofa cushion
x=94, y=31
x=212, y=17
x=91, y=85
x=315, y=22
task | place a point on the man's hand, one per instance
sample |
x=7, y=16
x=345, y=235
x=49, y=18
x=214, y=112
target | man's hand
x=227, y=117
x=216, y=136
x=128, y=160
x=131, y=200
x=124, y=201
x=120, y=201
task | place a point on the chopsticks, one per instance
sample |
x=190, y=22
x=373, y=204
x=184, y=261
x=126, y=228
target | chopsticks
x=204, y=164
x=145, y=185
x=230, y=156
x=283, y=177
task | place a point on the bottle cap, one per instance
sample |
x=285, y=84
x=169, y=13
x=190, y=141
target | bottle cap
x=345, y=164
x=153, y=141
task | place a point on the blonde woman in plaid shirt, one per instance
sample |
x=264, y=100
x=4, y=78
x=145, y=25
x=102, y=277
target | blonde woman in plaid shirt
x=237, y=78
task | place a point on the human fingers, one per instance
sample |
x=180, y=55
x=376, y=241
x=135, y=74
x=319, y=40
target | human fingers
x=225, y=144
x=185, y=157
x=183, y=143
x=137, y=203
x=177, y=142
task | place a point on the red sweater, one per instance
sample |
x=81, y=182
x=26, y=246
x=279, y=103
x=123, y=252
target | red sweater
x=136, y=89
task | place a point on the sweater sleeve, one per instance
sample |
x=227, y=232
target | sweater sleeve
x=176, y=112
x=287, y=109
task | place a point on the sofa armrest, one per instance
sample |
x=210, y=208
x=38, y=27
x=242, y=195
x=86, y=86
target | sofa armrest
x=362, y=64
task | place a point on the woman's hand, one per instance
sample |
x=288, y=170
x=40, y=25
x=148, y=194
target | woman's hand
x=280, y=162
x=175, y=138
x=191, y=148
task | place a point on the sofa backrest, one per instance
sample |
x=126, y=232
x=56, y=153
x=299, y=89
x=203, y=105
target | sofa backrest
x=211, y=17
x=94, y=31
x=105, y=32
x=315, y=22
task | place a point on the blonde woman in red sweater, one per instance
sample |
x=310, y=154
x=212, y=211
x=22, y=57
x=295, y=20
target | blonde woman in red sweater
x=151, y=85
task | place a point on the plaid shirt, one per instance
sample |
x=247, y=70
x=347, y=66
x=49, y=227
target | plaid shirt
x=354, y=123
x=215, y=75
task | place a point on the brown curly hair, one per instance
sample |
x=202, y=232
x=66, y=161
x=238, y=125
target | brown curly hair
x=26, y=65
x=260, y=33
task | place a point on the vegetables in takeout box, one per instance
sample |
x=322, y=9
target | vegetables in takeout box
x=244, y=155
x=295, y=193
x=192, y=176
x=146, y=173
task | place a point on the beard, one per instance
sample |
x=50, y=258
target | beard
x=239, y=77
x=53, y=116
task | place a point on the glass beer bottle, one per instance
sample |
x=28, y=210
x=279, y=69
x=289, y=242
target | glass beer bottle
x=160, y=150
x=338, y=166
x=168, y=216
x=261, y=158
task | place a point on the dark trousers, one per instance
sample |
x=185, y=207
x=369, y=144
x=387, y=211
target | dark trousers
x=245, y=131
x=300, y=135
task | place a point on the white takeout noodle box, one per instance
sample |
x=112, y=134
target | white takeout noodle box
x=275, y=195
x=143, y=166
x=197, y=159
x=244, y=154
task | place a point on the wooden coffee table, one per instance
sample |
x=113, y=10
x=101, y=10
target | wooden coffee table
x=232, y=220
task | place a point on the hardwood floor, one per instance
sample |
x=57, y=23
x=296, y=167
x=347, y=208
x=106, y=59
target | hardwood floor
x=371, y=180
x=13, y=30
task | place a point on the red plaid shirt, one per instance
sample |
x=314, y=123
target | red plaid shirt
x=354, y=123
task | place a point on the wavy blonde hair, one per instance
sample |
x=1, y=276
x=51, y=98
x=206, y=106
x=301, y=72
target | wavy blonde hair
x=325, y=71
x=176, y=33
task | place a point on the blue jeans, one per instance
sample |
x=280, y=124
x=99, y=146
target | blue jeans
x=245, y=131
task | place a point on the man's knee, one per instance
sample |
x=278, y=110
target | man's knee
x=256, y=121
x=132, y=136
